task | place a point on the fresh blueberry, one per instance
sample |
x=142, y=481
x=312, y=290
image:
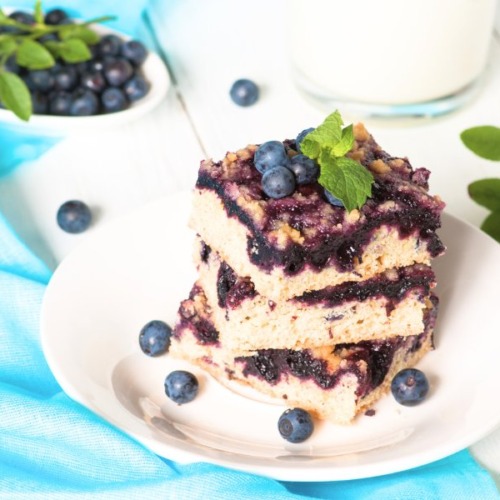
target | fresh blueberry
x=333, y=200
x=134, y=51
x=65, y=77
x=93, y=80
x=39, y=102
x=117, y=71
x=300, y=138
x=22, y=17
x=181, y=386
x=154, y=338
x=109, y=45
x=278, y=182
x=136, y=88
x=40, y=79
x=48, y=37
x=74, y=216
x=12, y=66
x=55, y=16
x=295, y=425
x=84, y=103
x=305, y=169
x=244, y=92
x=269, y=155
x=409, y=387
x=60, y=103
x=113, y=99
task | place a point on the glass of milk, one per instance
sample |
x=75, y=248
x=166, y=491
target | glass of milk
x=390, y=57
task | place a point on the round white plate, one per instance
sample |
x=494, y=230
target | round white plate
x=139, y=268
x=155, y=73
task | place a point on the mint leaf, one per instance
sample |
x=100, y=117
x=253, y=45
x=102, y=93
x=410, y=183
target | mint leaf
x=484, y=141
x=349, y=181
x=15, y=95
x=33, y=55
x=7, y=47
x=491, y=225
x=73, y=50
x=38, y=13
x=486, y=192
x=346, y=141
x=325, y=135
x=81, y=32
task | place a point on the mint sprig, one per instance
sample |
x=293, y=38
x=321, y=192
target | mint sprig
x=484, y=141
x=345, y=178
x=25, y=43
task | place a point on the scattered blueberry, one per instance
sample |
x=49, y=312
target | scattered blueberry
x=333, y=200
x=278, y=182
x=136, y=88
x=154, y=338
x=113, y=99
x=74, y=216
x=409, y=387
x=134, y=51
x=55, y=16
x=117, y=71
x=109, y=45
x=244, y=92
x=305, y=169
x=84, y=103
x=295, y=425
x=181, y=386
x=300, y=138
x=269, y=155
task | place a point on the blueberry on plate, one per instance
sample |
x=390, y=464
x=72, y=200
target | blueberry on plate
x=154, y=337
x=244, y=92
x=300, y=138
x=295, y=425
x=269, y=155
x=181, y=386
x=410, y=387
x=305, y=169
x=74, y=216
x=278, y=182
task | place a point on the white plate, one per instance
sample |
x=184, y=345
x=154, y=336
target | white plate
x=139, y=268
x=155, y=73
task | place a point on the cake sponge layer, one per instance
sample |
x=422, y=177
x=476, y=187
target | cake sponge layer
x=392, y=304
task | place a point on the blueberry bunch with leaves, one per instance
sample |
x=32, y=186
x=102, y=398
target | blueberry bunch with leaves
x=51, y=64
x=484, y=141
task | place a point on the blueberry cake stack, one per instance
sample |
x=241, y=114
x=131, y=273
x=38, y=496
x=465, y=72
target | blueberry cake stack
x=306, y=301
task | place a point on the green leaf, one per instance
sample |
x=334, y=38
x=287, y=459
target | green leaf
x=2, y=15
x=33, y=55
x=484, y=141
x=38, y=13
x=73, y=50
x=346, y=141
x=15, y=95
x=327, y=134
x=7, y=46
x=349, y=181
x=491, y=225
x=80, y=32
x=486, y=192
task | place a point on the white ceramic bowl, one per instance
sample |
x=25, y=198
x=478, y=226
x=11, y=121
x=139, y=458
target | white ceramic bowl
x=155, y=73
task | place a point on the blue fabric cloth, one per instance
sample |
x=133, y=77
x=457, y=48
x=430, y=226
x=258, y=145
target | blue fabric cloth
x=19, y=144
x=51, y=447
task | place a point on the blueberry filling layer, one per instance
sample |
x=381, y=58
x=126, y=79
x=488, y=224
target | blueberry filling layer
x=231, y=289
x=327, y=240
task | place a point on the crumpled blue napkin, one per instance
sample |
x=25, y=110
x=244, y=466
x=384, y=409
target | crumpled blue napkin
x=51, y=447
x=19, y=144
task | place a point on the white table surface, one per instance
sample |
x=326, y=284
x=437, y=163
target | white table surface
x=120, y=169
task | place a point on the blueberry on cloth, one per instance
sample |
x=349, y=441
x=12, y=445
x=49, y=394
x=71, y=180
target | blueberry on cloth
x=244, y=92
x=409, y=387
x=181, y=386
x=301, y=136
x=74, y=216
x=305, y=169
x=278, y=182
x=295, y=425
x=154, y=337
x=269, y=155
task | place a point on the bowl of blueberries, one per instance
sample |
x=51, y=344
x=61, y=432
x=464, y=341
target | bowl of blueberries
x=59, y=74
